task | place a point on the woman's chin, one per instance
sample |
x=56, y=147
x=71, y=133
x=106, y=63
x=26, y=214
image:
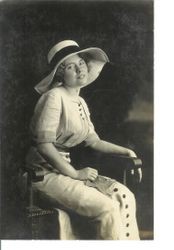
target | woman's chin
x=83, y=83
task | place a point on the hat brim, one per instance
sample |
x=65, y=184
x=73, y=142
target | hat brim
x=96, y=54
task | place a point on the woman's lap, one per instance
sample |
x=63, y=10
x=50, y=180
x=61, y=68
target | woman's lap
x=75, y=195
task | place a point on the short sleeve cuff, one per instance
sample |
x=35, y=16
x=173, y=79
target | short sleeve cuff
x=45, y=136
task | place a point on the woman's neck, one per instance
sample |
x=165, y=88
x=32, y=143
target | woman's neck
x=74, y=92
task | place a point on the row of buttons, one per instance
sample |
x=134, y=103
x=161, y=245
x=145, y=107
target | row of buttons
x=80, y=109
x=126, y=206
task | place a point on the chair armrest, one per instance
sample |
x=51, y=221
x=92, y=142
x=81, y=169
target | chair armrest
x=117, y=166
x=128, y=162
x=125, y=162
x=35, y=174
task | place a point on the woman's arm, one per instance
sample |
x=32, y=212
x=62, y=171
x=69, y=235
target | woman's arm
x=50, y=153
x=110, y=148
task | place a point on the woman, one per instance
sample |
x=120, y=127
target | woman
x=61, y=120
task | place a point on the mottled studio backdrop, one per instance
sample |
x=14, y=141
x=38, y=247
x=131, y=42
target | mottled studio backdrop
x=122, y=113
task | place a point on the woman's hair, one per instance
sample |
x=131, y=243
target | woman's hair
x=58, y=78
x=60, y=72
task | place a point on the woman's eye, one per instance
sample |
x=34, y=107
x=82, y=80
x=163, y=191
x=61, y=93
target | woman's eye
x=69, y=67
x=82, y=62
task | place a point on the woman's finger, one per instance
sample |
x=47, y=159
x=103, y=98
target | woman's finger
x=92, y=178
x=140, y=174
x=94, y=175
x=94, y=171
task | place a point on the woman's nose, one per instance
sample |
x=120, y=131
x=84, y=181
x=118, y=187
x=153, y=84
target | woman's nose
x=78, y=68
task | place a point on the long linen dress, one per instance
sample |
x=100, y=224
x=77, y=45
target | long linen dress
x=65, y=121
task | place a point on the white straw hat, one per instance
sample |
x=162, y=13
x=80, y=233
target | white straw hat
x=62, y=51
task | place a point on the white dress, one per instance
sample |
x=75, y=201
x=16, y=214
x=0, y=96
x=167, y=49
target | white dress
x=65, y=122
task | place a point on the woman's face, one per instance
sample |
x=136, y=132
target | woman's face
x=75, y=72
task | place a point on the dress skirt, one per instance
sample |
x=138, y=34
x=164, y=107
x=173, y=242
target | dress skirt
x=113, y=215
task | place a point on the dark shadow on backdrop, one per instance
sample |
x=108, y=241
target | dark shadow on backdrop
x=121, y=110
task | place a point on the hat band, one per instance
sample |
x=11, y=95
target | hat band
x=64, y=52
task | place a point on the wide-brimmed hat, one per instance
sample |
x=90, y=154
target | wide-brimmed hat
x=60, y=52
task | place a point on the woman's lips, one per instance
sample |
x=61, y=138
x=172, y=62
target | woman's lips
x=81, y=76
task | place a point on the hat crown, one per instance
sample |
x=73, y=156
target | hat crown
x=59, y=46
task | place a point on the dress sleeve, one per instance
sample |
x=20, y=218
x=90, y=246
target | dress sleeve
x=46, y=118
x=92, y=136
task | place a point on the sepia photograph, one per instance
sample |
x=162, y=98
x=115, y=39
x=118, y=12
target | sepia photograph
x=77, y=120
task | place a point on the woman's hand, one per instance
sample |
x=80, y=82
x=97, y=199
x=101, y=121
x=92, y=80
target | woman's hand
x=131, y=153
x=87, y=174
x=136, y=172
